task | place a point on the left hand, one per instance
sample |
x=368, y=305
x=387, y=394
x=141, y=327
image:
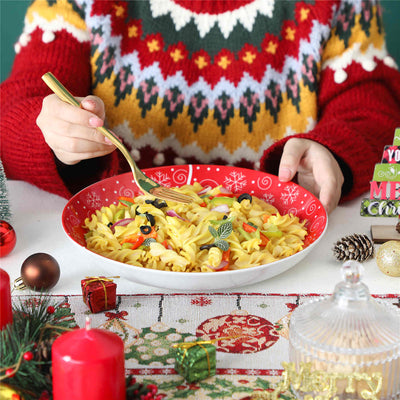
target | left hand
x=316, y=168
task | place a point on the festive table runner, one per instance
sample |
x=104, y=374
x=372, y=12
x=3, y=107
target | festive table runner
x=250, y=359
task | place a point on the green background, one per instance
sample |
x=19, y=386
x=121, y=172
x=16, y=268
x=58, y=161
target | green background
x=12, y=14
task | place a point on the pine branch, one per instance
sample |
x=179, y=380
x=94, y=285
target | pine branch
x=35, y=320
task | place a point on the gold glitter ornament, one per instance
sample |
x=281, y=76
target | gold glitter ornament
x=388, y=258
x=8, y=393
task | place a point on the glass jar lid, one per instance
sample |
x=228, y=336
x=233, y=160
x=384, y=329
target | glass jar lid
x=350, y=321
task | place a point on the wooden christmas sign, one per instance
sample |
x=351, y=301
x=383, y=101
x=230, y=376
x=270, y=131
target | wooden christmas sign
x=384, y=196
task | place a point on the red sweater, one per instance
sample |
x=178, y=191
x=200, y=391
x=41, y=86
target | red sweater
x=205, y=82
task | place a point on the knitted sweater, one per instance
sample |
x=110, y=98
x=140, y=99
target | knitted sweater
x=199, y=81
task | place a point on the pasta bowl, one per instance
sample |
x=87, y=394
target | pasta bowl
x=287, y=197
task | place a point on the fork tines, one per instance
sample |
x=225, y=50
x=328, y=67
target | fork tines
x=170, y=194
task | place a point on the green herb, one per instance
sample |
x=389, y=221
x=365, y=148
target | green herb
x=224, y=230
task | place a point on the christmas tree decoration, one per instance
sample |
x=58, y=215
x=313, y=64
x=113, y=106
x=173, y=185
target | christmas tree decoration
x=349, y=339
x=39, y=272
x=195, y=361
x=357, y=247
x=5, y=211
x=383, y=200
x=99, y=293
x=94, y=360
x=388, y=258
x=5, y=300
x=8, y=238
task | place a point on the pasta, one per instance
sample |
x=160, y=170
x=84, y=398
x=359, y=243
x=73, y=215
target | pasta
x=218, y=231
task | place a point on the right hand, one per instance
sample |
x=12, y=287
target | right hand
x=71, y=131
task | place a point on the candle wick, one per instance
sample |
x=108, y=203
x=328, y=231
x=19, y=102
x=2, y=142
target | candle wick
x=88, y=324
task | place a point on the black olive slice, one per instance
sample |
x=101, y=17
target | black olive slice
x=244, y=196
x=145, y=229
x=207, y=246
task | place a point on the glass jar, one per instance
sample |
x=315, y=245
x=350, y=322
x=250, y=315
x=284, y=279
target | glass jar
x=346, y=346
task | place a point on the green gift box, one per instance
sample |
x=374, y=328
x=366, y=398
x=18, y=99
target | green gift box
x=195, y=360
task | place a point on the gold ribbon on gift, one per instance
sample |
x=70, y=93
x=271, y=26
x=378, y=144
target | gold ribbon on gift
x=101, y=279
x=187, y=345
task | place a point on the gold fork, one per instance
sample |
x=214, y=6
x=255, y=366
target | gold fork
x=146, y=184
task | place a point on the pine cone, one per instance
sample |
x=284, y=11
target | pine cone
x=43, y=350
x=357, y=247
x=43, y=355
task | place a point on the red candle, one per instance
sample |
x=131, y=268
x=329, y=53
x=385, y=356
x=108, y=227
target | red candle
x=88, y=364
x=5, y=299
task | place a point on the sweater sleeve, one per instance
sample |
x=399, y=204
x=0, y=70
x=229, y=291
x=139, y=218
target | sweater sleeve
x=54, y=39
x=359, y=98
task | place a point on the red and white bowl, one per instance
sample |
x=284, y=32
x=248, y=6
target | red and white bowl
x=286, y=197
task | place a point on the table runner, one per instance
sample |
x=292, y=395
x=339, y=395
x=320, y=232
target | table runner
x=251, y=359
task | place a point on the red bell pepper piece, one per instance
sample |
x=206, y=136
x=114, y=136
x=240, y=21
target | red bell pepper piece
x=251, y=229
x=136, y=240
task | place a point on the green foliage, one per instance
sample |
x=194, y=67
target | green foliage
x=32, y=324
x=224, y=230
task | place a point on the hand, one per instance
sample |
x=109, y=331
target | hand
x=71, y=131
x=316, y=168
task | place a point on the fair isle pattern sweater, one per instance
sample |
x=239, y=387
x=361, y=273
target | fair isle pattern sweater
x=200, y=81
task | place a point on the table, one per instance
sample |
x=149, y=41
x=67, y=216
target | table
x=37, y=222
x=150, y=319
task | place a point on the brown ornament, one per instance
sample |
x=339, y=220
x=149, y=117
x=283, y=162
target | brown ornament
x=40, y=271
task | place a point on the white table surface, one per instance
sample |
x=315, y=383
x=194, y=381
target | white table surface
x=37, y=222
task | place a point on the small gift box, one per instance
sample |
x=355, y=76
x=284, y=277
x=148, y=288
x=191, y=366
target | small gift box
x=195, y=360
x=99, y=293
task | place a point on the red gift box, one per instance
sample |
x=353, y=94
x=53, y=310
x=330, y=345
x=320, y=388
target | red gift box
x=99, y=293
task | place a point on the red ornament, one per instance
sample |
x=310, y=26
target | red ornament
x=50, y=310
x=10, y=372
x=28, y=356
x=8, y=238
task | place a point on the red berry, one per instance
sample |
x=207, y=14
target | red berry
x=28, y=356
x=44, y=396
x=50, y=310
x=10, y=372
x=133, y=381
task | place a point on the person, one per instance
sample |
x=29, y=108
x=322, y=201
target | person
x=303, y=90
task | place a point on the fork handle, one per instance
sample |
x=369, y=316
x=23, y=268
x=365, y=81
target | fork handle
x=62, y=92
